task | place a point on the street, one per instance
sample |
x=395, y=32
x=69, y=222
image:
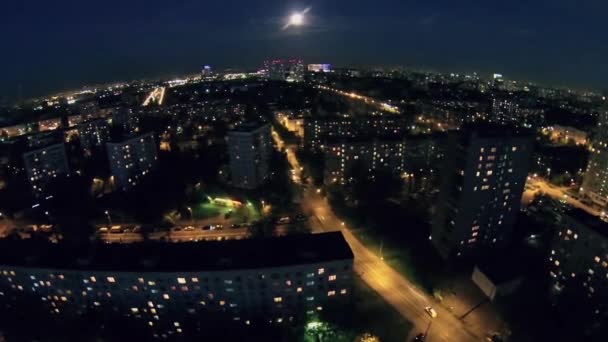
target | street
x=395, y=289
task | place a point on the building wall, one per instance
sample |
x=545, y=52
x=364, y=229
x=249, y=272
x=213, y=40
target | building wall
x=162, y=298
x=484, y=283
x=250, y=153
x=482, y=182
x=132, y=159
x=341, y=158
x=93, y=133
x=578, y=264
x=43, y=165
x=595, y=181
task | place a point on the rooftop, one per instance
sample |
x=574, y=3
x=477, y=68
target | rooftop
x=248, y=126
x=591, y=221
x=171, y=257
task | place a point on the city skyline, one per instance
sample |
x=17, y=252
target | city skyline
x=157, y=40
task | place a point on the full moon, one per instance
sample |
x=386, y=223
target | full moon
x=296, y=19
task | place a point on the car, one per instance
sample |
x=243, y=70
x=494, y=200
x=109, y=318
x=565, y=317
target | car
x=189, y=228
x=235, y=225
x=283, y=220
x=207, y=227
x=419, y=338
x=103, y=229
x=46, y=227
x=116, y=230
x=218, y=226
x=429, y=310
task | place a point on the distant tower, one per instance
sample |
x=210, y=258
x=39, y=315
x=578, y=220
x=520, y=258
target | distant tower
x=484, y=174
x=250, y=148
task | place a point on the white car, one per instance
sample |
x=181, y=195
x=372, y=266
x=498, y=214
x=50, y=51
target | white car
x=429, y=310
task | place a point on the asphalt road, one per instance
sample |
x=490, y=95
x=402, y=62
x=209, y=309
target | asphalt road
x=393, y=287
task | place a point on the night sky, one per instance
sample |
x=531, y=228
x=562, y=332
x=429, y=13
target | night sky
x=53, y=45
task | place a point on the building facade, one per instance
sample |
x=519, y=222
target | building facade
x=93, y=133
x=290, y=70
x=341, y=158
x=578, y=267
x=595, y=181
x=45, y=164
x=319, y=130
x=271, y=280
x=131, y=159
x=249, y=149
x=483, y=177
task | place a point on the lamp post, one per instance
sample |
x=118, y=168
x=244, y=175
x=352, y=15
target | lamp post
x=191, y=215
x=108, y=217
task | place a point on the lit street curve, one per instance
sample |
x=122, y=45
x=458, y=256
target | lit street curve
x=394, y=288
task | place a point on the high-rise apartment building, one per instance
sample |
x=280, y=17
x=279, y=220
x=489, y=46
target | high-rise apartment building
x=483, y=177
x=595, y=181
x=274, y=280
x=132, y=159
x=372, y=155
x=44, y=164
x=578, y=269
x=93, y=133
x=250, y=149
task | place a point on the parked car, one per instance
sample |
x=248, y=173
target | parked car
x=429, y=310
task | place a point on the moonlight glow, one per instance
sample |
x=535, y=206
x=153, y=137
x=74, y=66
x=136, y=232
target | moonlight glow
x=296, y=19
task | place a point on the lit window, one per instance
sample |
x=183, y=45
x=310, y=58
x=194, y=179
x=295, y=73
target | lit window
x=222, y=302
x=93, y=279
x=278, y=299
x=134, y=310
x=195, y=280
x=332, y=277
x=321, y=271
x=331, y=293
x=343, y=291
x=166, y=296
x=181, y=280
x=111, y=280
x=299, y=289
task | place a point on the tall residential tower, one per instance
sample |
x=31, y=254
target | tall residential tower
x=595, y=182
x=483, y=179
x=250, y=148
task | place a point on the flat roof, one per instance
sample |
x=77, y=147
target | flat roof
x=173, y=257
x=591, y=221
x=248, y=126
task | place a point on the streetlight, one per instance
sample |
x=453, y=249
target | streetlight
x=109, y=217
x=381, y=246
x=191, y=216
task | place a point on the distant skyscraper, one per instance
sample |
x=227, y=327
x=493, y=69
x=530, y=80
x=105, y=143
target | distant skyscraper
x=131, y=159
x=44, y=164
x=484, y=174
x=291, y=70
x=319, y=67
x=207, y=71
x=595, y=182
x=250, y=148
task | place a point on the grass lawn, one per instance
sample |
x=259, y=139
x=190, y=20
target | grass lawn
x=210, y=210
x=366, y=313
